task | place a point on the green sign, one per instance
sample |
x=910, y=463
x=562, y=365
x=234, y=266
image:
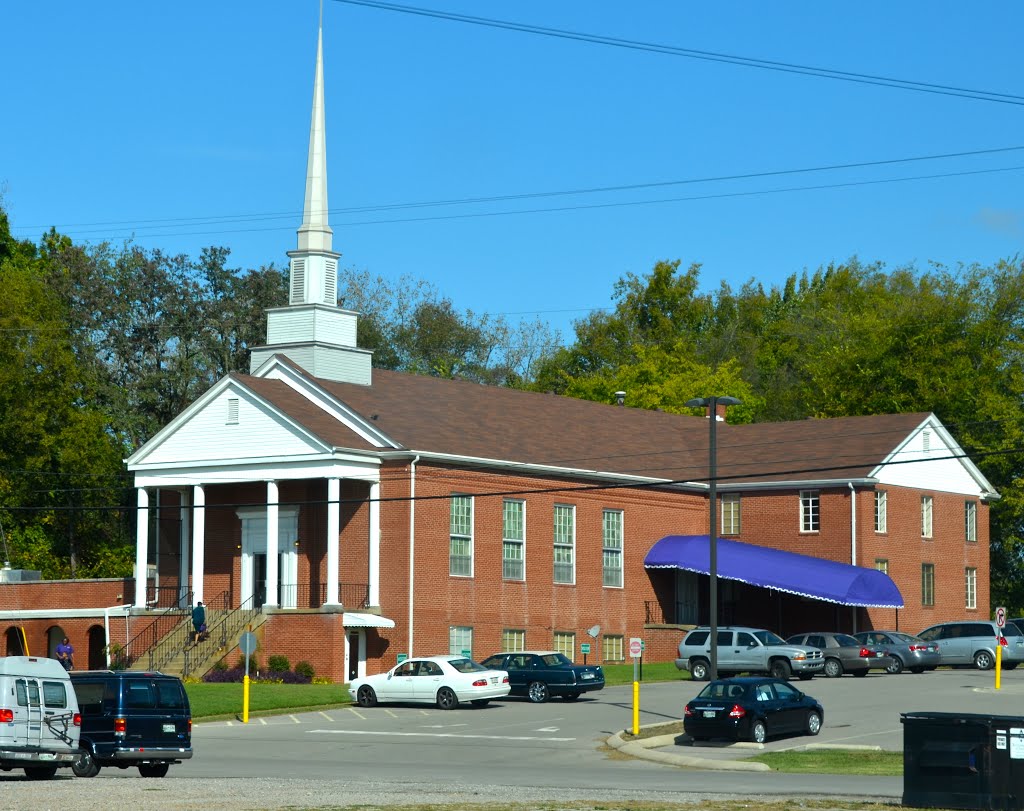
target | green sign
x=468, y=654
x=584, y=647
x=402, y=657
x=641, y=644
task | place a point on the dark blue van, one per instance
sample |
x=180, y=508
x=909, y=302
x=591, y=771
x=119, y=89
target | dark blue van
x=131, y=718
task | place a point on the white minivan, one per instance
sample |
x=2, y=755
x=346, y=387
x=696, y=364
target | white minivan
x=39, y=719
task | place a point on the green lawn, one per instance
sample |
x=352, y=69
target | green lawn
x=835, y=761
x=652, y=671
x=211, y=701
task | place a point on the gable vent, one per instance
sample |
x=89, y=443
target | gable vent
x=232, y=411
x=331, y=282
x=926, y=440
x=298, y=294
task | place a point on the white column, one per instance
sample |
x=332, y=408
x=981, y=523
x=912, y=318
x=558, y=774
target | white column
x=141, y=545
x=272, y=544
x=333, y=530
x=185, y=535
x=373, y=594
x=198, y=541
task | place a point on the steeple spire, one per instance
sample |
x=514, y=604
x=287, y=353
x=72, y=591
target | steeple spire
x=314, y=265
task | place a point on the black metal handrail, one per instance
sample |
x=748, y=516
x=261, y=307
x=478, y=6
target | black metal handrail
x=224, y=626
x=143, y=641
x=354, y=595
x=177, y=637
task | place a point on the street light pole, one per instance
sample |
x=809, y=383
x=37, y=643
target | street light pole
x=712, y=403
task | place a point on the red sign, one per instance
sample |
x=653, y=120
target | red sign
x=636, y=647
x=1001, y=617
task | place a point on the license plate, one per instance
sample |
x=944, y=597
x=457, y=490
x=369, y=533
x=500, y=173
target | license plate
x=588, y=675
x=170, y=728
x=47, y=756
x=709, y=713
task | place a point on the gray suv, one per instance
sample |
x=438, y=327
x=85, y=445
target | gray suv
x=747, y=650
x=974, y=642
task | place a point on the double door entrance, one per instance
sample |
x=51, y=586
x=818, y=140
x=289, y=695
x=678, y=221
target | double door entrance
x=255, y=581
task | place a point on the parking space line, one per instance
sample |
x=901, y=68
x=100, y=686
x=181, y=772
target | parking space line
x=356, y=713
x=325, y=715
x=296, y=720
x=436, y=735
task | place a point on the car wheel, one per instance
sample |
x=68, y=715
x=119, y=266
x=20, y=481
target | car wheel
x=537, y=692
x=813, y=724
x=40, y=772
x=833, y=668
x=983, y=660
x=446, y=699
x=85, y=766
x=480, y=702
x=699, y=670
x=860, y=674
x=806, y=676
x=895, y=666
x=570, y=696
x=154, y=770
x=758, y=732
x=919, y=669
x=1011, y=666
x=366, y=697
x=780, y=669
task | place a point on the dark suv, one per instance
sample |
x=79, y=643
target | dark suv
x=131, y=718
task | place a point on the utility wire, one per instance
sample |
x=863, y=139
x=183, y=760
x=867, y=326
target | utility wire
x=709, y=56
x=242, y=218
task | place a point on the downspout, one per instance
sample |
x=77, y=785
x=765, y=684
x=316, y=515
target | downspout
x=412, y=543
x=853, y=539
x=106, y=627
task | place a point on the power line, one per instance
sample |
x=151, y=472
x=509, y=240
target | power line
x=241, y=218
x=709, y=56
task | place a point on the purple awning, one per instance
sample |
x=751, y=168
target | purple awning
x=774, y=569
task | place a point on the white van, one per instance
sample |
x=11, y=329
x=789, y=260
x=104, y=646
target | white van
x=39, y=719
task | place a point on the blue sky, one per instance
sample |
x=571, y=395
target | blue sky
x=121, y=115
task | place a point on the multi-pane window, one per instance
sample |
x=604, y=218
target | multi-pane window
x=882, y=565
x=970, y=520
x=731, y=514
x=565, y=643
x=611, y=649
x=513, y=639
x=460, y=552
x=810, y=511
x=927, y=584
x=611, y=547
x=460, y=641
x=565, y=543
x=971, y=586
x=926, y=516
x=881, y=507
x=513, y=540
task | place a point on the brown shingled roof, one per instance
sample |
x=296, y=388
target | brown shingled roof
x=454, y=417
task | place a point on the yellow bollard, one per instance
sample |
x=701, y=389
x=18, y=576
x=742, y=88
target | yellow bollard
x=245, y=699
x=636, y=708
x=999, y=663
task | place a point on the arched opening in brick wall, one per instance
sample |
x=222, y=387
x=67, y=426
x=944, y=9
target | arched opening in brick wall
x=53, y=638
x=97, y=641
x=15, y=642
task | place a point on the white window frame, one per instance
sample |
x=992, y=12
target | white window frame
x=927, y=510
x=612, y=532
x=513, y=540
x=810, y=511
x=882, y=565
x=928, y=584
x=731, y=515
x=565, y=642
x=971, y=521
x=457, y=561
x=564, y=547
x=613, y=648
x=971, y=587
x=460, y=638
x=881, y=511
x=513, y=639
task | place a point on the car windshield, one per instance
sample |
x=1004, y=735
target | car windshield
x=555, y=659
x=723, y=689
x=846, y=641
x=768, y=638
x=906, y=638
x=466, y=665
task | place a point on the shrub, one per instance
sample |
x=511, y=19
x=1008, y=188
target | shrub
x=220, y=665
x=254, y=664
x=233, y=674
x=322, y=680
x=304, y=668
x=278, y=663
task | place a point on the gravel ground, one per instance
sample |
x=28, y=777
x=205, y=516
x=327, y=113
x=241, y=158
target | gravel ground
x=207, y=794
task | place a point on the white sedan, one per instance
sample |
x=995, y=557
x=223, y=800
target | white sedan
x=441, y=680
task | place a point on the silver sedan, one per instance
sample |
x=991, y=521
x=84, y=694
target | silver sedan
x=906, y=652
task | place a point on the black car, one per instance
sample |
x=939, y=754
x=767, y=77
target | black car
x=538, y=675
x=751, y=708
x=131, y=718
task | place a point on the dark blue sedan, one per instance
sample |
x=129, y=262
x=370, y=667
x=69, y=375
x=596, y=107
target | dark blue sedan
x=751, y=709
x=538, y=675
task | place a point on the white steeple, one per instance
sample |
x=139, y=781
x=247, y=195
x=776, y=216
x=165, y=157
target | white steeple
x=314, y=265
x=313, y=331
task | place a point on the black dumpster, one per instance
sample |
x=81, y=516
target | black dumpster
x=959, y=760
